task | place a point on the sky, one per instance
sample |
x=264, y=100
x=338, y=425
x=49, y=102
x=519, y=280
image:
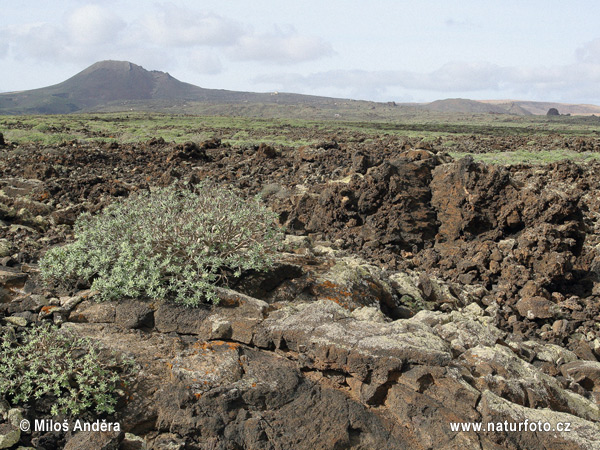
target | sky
x=381, y=50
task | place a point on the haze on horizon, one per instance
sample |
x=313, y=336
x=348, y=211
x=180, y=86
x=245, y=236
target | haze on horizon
x=383, y=51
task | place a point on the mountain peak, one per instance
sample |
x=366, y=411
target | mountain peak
x=112, y=65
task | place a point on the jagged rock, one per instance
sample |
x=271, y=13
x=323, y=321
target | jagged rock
x=406, y=285
x=586, y=373
x=109, y=440
x=10, y=433
x=537, y=308
x=357, y=348
x=169, y=318
x=266, y=151
x=131, y=314
x=275, y=364
x=462, y=330
x=168, y=441
x=494, y=409
x=551, y=353
x=499, y=370
x=12, y=277
x=234, y=319
x=352, y=283
x=66, y=216
x=370, y=314
x=191, y=151
x=91, y=312
x=133, y=442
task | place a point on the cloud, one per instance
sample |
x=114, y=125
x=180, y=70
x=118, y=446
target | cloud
x=93, y=25
x=460, y=24
x=200, y=40
x=3, y=43
x=454, y=76
x=589, y=52
x=180, y=27
x=281, y=47
x=86, y=33
x=43, y=42
x=187, y=28
x=205, y=63
x=574, y=82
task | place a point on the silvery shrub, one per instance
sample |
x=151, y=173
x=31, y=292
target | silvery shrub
x=168, y=243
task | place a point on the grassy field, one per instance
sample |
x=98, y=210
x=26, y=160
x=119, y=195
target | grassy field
x=539, y=139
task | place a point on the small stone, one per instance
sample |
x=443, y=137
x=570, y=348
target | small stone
x=133, y=442
x=34, y=302
x=559, y=326
x=18, y=321
x=11, y=277
x=68, y=303
x=496, y=255
x=220, y=329
x=15, y=416
x=5, y=248
x=473, y=309
x=369, y=314
x=4, y=408
x=537, y=308
x=48, y=310
x=88, y=311
x=134, y=314
x=9, y=435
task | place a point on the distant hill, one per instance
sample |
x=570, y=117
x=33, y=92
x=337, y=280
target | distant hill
x=109, y=86
x=461, y=105
x=516, y=107
x=541, y=108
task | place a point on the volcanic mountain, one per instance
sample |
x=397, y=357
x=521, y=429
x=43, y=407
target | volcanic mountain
x=120, y=84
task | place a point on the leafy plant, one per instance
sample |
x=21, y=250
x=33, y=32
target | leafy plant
x=168, y=243
x=43, y=362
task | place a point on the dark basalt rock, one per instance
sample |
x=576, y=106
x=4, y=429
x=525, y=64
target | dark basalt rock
x=330, y=349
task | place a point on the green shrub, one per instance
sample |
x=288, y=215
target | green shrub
x=43, y=362
x=168, y=243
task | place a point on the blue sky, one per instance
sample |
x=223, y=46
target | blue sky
x=381, y=50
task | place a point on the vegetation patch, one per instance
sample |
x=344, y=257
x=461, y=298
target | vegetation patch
x=44, y=363
x=168, y=243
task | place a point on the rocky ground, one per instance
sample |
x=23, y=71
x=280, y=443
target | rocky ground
x=417, y=291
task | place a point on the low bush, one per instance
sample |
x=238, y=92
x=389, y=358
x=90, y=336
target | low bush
x=168, y=243
x=43, y=363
